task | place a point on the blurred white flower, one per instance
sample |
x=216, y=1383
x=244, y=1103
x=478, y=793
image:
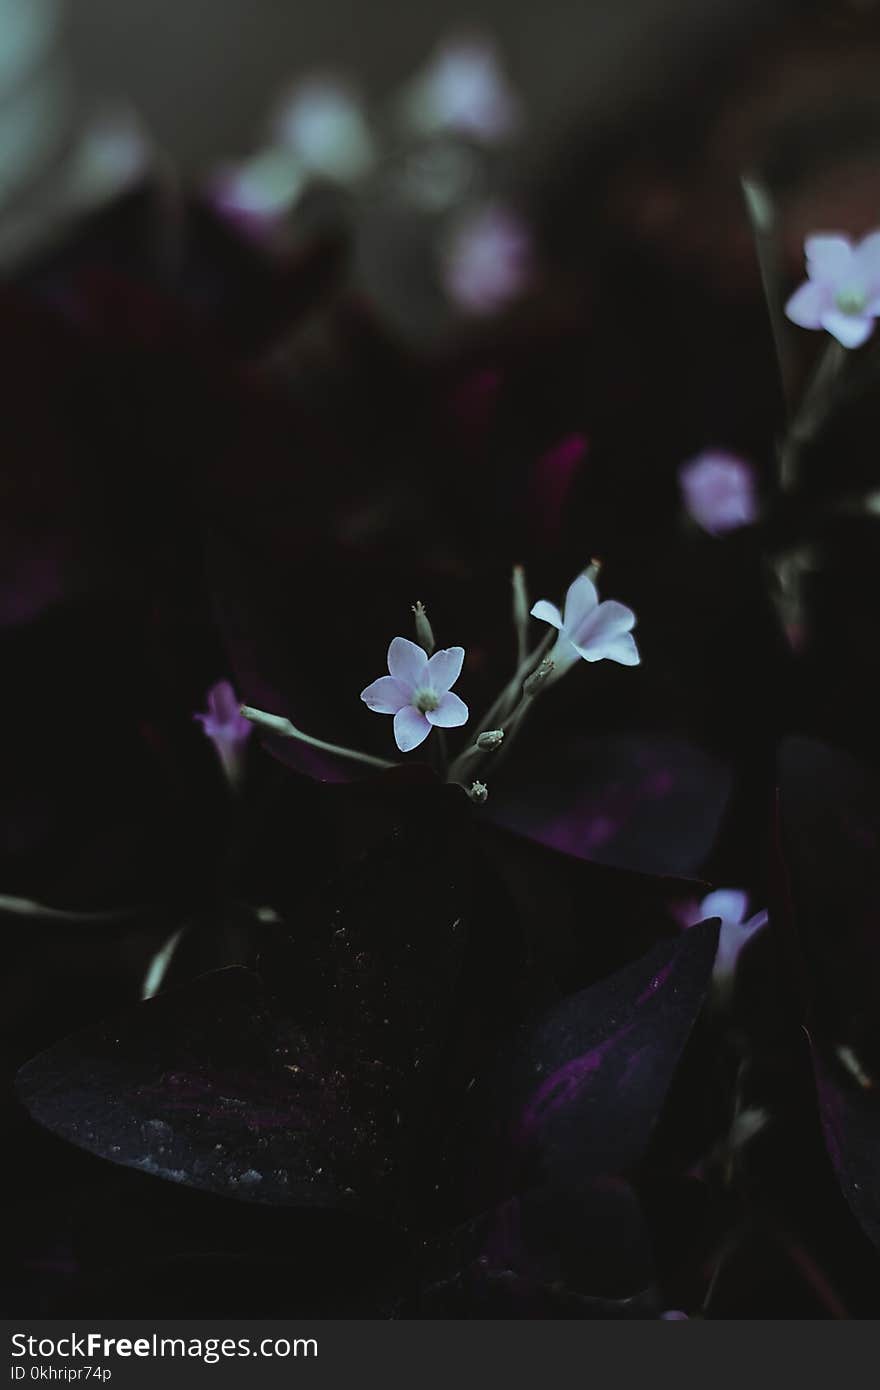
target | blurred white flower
x=113, y=153
x=737, y=930
x=842, y=291
x=464, y=90
x=323, y=123
x=260, y=189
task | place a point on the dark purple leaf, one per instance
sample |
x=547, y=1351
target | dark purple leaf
x=593, y=1076
x=204, y=1085
x=651, y=802
x=850, y=1117
x=215, y=1085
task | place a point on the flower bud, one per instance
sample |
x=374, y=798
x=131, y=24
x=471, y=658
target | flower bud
x=491, y=738
x=423, y=628
x=479, y=792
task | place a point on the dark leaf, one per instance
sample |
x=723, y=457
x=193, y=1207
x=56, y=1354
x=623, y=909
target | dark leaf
x=542, y=1257
x=650, y=802
x=204, y=1085
x=830, y=836
x=215, y=1086
x=593, y=1076
x=850, y=1116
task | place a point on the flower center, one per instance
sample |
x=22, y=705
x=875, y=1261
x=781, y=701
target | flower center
x=425, y=701
x=850, y=301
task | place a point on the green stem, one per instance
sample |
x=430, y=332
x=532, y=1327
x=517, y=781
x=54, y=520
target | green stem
x=159, y=965
x=511, y=690
x=520, y=613
x=275, y=724
x=26, y=907
x=468, y=761
x=762, y=218
x=818, y=401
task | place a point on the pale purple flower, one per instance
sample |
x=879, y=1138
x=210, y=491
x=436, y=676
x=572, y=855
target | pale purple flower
x=227, y=728
x=589, y=629
x=418, y=692
x=719, y=491
x=731, y=905
x=489, y=260
x=842, y=292
x=463, y=89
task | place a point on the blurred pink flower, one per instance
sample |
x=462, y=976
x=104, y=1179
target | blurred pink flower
x=719, y=491
x=227, y=728
x=489, y=261
x=842, y=291
x=418, y=692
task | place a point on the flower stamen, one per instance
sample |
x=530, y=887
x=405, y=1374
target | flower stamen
x=851, y=301
x=425, y=701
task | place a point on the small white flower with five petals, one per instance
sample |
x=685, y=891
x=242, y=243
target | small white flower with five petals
x=842, y=291
x=418, y=692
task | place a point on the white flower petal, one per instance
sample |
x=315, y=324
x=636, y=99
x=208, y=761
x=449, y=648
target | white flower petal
x=580, y=601
x=829, y=258
x=548, y=613
x=850, y=330
x=620, y=648
x=754, y=924
x=444, y=669
x=451, y=712
x=808, y=303
x=603, y=625
x=730, y=904
x=385, y=696
x=564, y=655
x=407, y=663
x=410, y=728
x=867, y=260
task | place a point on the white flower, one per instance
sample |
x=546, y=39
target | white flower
x=463, y=90
x=260, y=189
x=731, y=905
x=322, y=122
x=418, y=692
x=842, y=291
x=589, y=629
